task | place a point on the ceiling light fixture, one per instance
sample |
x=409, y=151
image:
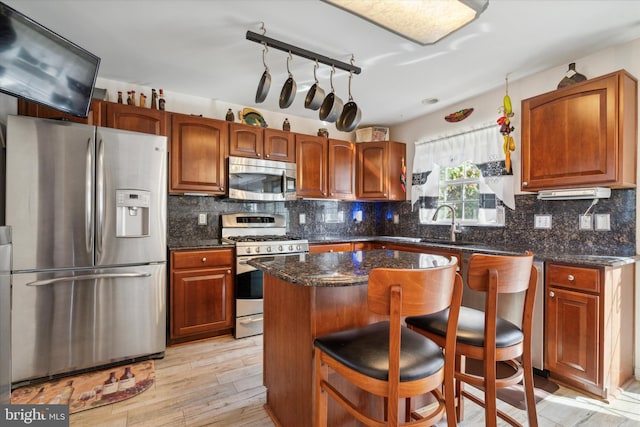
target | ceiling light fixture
x=421, y=21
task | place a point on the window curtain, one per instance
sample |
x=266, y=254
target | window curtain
x=482, y=146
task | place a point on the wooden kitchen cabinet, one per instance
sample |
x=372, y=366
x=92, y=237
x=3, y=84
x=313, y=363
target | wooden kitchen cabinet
x=589, y=326
x=325, y=167
x=198, y=155
x=94, y=117
x=318, y=248
x=378, y=170
x=136, y=119
x=201, y=297
x=581, y=135
x=260, y=143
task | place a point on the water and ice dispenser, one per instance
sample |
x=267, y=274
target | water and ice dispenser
x=132, y=219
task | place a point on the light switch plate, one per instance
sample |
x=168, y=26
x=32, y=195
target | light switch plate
x=302, y=218
x=396, y=219
x=603, y=222
x=542, y=221
x=202, y=219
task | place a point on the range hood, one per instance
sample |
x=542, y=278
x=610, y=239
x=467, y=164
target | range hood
x=575, y=193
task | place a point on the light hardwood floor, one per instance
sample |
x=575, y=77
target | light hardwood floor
x=218, y=382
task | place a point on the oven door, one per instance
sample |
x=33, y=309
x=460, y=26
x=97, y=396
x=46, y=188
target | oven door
x=251, y=179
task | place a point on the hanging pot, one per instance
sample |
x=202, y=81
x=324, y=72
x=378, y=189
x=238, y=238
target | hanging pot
x=315, y=96
x=351, y=113
x=332, y=105
x=288, y=92
x=265, y=80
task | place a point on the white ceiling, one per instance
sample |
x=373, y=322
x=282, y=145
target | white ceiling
x=199, y=47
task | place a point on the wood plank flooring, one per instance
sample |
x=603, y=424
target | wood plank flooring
x=218, y=382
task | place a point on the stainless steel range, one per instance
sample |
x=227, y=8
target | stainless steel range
x=255, y=235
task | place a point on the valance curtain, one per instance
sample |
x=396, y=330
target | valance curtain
x=482, y=146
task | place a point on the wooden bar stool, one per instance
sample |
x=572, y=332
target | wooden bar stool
x=487, y=337
x=387, y=359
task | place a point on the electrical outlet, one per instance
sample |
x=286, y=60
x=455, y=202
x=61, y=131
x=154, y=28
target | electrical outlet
x=603, y=222
x=542, y=221
x=302, y=218
x=396, y=219
x=586, y=222
x=202, y=219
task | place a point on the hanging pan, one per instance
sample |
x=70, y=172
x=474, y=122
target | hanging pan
x=332, y=105
x=351, y=113
x=315, y=96
x=265, y=80
x=288, y=92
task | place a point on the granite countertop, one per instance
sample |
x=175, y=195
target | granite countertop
x=341, y=268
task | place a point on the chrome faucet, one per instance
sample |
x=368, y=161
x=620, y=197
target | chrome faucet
x=454, y=228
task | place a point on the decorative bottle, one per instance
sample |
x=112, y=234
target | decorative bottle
x=133, y=97
x=286, y=126
x=161, y=100
x=154, y=99
x=230, y=116
x=119, y=97
x=571, y=77
x=127, y=380
x=128, y=97
x=110, y=385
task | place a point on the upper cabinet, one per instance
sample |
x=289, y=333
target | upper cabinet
x=379, y=168
x=325, y=168
x=259, y=143
x=94, y=117
x=581, y=135
x=198, y=155
x=136, y=119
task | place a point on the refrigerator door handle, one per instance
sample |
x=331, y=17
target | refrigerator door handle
x=88, y=225
x=100, y=195
x=87, y=277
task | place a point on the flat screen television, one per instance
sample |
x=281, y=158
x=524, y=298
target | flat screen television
x=41, y=66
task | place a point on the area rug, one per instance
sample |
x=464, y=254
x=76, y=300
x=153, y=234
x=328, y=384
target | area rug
x=90, y=390
x=514, y=395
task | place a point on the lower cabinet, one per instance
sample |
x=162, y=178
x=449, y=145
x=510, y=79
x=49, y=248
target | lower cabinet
x=201, y=294
x=588, y=329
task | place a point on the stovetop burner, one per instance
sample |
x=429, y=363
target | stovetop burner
x=265, y=238
x=254, y=234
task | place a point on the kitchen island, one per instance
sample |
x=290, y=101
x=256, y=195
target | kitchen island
x=308, y=295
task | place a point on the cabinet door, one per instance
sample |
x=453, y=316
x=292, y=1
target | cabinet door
x=245, y=141
x=136, y=119
x=198, y=154
x=94, y=117
x=572, y=331
x=311, y=159
x=372, y=171
x=202, y=301
x=342, y=170
x=279, y=145
x=581, y=135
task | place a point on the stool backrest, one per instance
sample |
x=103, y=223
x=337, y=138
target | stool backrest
x=514, y=272
x=424, y=291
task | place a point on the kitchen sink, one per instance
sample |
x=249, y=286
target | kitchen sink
x=448, y=242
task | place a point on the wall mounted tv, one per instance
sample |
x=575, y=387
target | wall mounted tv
x=40, y=66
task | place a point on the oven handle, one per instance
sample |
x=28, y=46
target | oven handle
x=252, y=320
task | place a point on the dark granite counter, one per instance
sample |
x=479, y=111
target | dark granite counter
x=341, y=268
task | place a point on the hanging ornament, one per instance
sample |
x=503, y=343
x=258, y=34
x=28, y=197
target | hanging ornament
x=506, y=128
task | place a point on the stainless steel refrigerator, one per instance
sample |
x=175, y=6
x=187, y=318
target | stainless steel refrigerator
x=87, y=206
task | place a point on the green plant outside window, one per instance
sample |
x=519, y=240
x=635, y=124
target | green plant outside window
x=459, y=187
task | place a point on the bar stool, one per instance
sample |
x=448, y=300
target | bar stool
x=387, y=359
x=485, y=336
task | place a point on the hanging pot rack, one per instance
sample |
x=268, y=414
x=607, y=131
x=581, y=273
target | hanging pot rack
x=298, y=51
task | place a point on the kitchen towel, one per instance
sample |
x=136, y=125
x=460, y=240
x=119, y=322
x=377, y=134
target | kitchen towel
x=90, y=390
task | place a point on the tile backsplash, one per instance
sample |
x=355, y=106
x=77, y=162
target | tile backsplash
x=335, y=218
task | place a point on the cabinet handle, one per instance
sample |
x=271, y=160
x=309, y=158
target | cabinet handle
x=258, y=154
x=204, y=259
x=228, y=271
x=525, y=183
x=571, y=278
x=221, y=188
x=552, y=294
x=267, y=155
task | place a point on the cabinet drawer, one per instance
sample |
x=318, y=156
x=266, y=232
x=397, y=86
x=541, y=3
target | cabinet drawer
x=206, y=258
x=587, y=279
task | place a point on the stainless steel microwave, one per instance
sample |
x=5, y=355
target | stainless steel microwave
x=264, y=180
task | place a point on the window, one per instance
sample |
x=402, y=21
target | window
x=459, y=188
